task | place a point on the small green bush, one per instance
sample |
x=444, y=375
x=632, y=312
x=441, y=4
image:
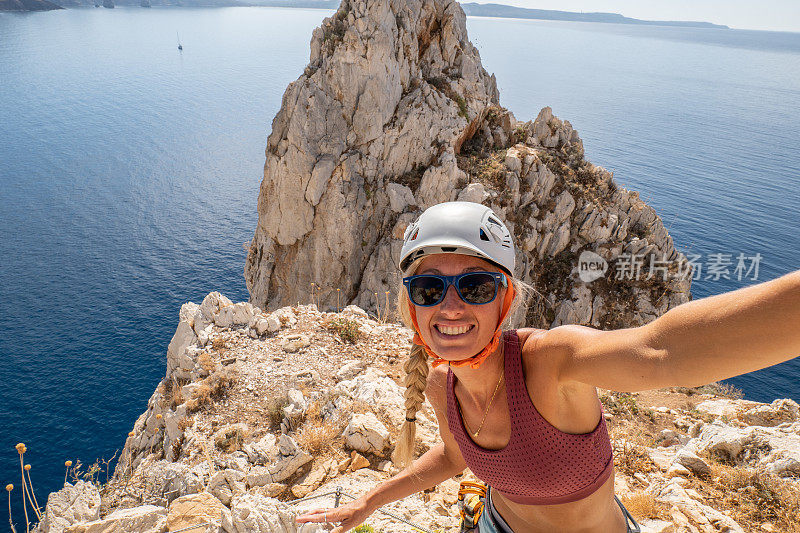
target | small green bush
x=347, y=329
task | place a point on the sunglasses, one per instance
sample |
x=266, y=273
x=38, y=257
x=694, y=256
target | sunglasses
x=476, y=288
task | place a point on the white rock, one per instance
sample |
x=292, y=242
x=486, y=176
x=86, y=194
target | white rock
x=691, y=461
x=400, y=197
x=208, y=309
x=176, y=351
x=673, y=493
x=295, y=342
x=238, y=314
x=474, y=192
x=142, y=519
x=376, y=389
x=724, y=407
x=70, y=505
x=366, y=434
x=349, y=370
x=776, y=413
x=226, y=483
x=254, y=513
x=290, y=459
x=355, y=311
x=263, y=451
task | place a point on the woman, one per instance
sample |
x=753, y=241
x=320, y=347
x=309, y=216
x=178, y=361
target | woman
x=520, y=407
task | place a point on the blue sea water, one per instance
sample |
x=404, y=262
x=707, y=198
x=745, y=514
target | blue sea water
x=129, y=174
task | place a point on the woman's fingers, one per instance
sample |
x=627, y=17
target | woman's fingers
x=343, y=518
x=315, y=515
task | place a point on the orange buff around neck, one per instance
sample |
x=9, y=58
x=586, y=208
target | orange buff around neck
x=476, y=360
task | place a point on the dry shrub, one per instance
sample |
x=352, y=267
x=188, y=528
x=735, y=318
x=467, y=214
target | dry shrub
x=489, y=168
x=171, y=394
x=206, y=363
x=348, y=330
x=177, y=448
x=643, y=505
x=630, y=458
x=232, y=440
x=620, y=403
x=756, y=496
x=212, y=388
x=186, y=423
x=319, y=436
x=219, y=345
x=274, y=411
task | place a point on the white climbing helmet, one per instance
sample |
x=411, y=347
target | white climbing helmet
x=459, y=227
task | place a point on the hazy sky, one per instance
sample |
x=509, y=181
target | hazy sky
x=779, y=15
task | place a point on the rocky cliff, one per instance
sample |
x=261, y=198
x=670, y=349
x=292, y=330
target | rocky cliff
x=395, y=113
x=258, y=412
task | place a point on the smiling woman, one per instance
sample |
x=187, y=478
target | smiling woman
x=520, y=407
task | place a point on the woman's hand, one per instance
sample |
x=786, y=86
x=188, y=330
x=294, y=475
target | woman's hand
x=346, y=516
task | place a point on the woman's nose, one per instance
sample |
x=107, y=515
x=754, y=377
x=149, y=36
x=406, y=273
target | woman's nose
x=452, y=301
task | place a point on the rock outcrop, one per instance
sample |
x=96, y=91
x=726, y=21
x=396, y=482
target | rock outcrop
x=395, y=113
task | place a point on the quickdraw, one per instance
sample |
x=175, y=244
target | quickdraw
x=471, y=496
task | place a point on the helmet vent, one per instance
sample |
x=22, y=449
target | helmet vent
x=448, y=248
x=483, y=235
x=414, y=235
x=494, y=221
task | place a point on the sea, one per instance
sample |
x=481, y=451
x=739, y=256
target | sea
x=130, y=170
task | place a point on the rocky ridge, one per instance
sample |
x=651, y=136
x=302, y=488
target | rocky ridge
x=395, y=113
x=260, y=410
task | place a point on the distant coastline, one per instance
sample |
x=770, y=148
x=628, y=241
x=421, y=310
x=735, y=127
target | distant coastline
x=471, y=9
x=505, y=11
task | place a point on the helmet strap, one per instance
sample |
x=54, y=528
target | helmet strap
x=476, y=360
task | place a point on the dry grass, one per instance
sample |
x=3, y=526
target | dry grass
x=360, y=406
x=753, y=497
x=643, y=505
x=319, y=437
x=171, y=394
x=219, y=345
x=630, y=458
x=206, y=363
x=489, y=168
x=177, y=448
x=212, y=388
x=186, y=423
x=274, y=411
x=621, y=404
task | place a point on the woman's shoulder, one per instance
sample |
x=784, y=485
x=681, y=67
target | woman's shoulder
x=530, y=339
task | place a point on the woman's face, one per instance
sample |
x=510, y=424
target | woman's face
x=454, y=329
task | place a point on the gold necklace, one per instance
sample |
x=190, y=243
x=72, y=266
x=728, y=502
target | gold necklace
x=487, y=407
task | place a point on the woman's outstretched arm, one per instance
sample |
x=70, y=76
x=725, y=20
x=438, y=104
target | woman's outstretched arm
x=695, y=343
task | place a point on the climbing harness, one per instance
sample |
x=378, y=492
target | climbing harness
x=471, y=498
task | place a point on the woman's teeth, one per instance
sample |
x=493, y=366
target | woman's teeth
x=447, y=330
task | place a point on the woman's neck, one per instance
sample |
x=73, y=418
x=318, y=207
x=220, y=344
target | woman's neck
x=481, y=383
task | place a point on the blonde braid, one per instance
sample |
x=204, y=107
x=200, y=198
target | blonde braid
x=416, y=381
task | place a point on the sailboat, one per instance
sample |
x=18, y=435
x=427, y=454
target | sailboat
x=180, y=46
